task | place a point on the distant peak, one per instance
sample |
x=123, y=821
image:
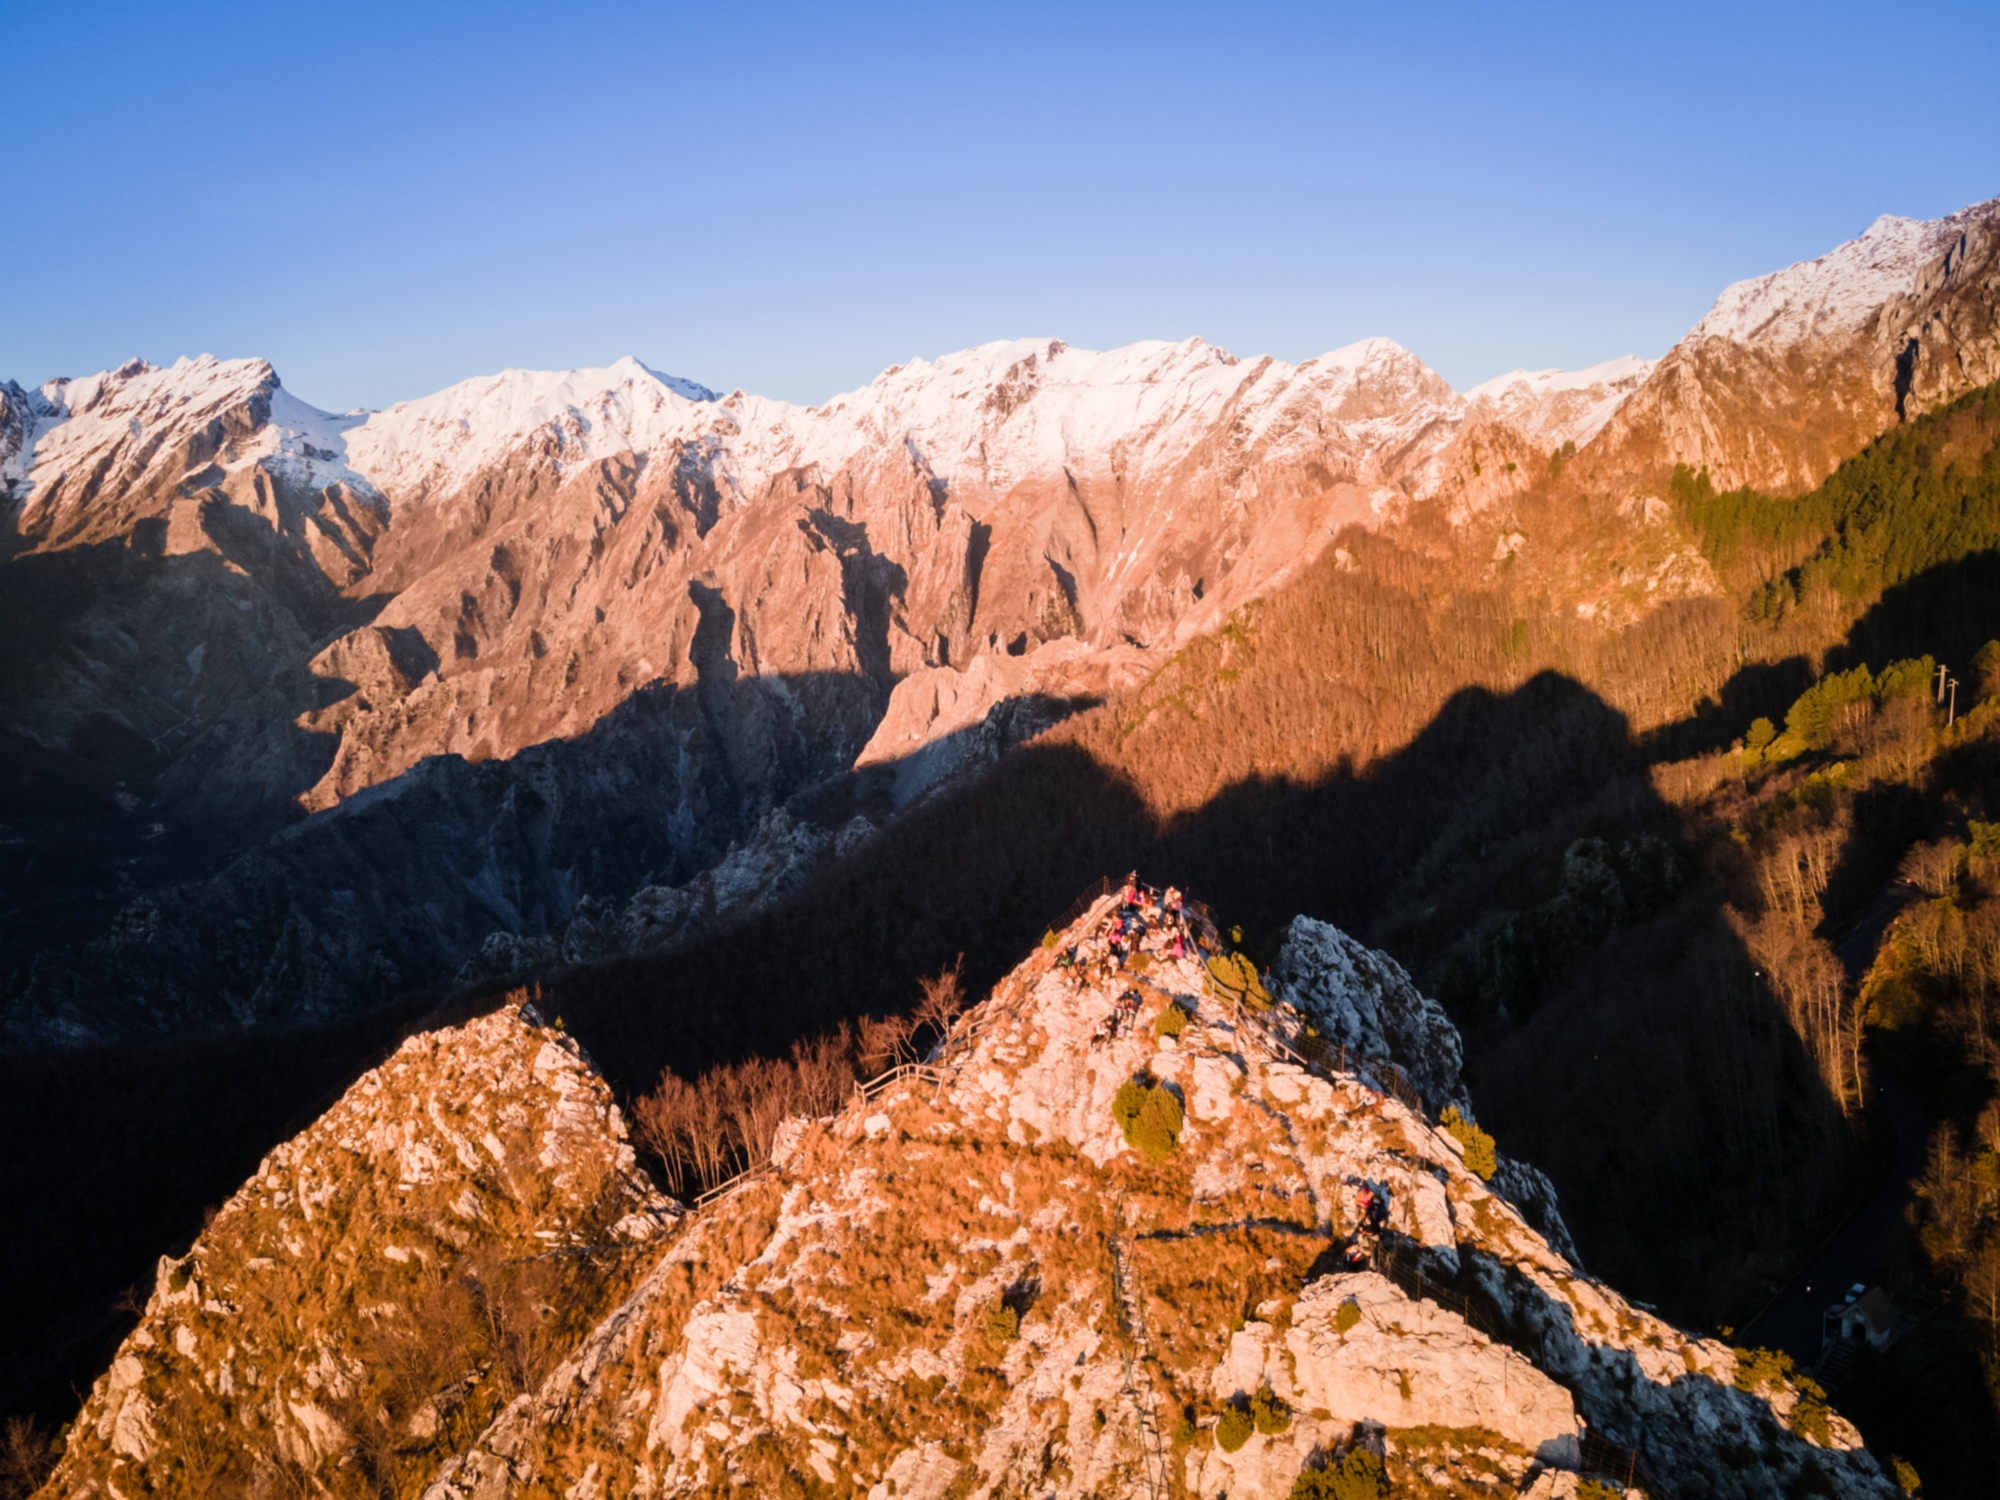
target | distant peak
x=681, y=386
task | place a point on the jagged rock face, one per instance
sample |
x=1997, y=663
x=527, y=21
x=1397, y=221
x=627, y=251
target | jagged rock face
x=1949, y=323
x=396, y=886
x=780, y=856
x=601, y=529
x=1791, y=373
x=171, y=564
x=1364, y=1000
x=334, y=1307
x=977, y=1284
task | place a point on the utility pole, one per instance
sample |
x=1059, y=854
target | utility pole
x=1941, y=677
x=1952, y=717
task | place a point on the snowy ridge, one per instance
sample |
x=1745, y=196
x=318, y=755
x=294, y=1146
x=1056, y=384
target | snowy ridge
x=583, y=415
x=1626, y=368
x=23, y=414
x=993, y=416
x=125, y=416
x=1835, y=295
x=1559, y=406
x=997, y=414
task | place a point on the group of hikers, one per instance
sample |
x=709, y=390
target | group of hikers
x=1144, y=916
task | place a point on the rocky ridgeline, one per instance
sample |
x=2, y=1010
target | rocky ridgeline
x=384, y=1280
x=1100, y=1245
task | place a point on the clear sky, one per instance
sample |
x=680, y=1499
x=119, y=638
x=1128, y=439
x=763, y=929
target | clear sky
x=384, y=199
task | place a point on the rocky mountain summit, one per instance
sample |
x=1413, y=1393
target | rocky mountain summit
x=1140, y=1225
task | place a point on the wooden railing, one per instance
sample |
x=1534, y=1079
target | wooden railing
x=729, y=1185
x=923, y=1072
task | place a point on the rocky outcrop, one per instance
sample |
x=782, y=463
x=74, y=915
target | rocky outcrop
x=386, y=1277
x=985, y=1276
x=1944, y=335
x=977, y=1282
x=1363, y=1000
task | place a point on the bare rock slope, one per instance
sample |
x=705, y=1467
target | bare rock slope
x=977, y=1282
x=387, y=1278
x=1097, y=1246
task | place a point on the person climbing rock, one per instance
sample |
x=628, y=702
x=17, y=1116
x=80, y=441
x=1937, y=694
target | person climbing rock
x=1376, y=1211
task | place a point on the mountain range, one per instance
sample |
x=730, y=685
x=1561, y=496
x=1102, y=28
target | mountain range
x=537, y=604
x=406, y=814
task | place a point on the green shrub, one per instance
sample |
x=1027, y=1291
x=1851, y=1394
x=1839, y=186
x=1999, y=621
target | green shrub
x=1184, y=1429
x=1171, y=1021
x=1597, y=1489
x=1986, y=681
x=1905, y=1474
x=1267, y=1412
x=1235, y=978
x=1358, y=1476
x=1479, y=1156
x=1810, y=721
x=1233, y=1427
x=1150, y=1115
x=1003, y=1323
x=1757, y=1368
x=1812, y=1418
x=1049, y=938
x=1347, y=1316
x=1762, y=732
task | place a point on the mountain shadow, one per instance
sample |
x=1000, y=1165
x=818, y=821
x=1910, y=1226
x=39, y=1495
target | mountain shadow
x=1947, y=612
x=1514, y=855
x=148, y=720
x=229, y=1012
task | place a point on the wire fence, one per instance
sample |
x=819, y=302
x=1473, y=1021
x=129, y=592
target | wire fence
x=1092, y=894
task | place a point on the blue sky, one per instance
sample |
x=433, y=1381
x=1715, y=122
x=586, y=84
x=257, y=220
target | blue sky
x=383, y=199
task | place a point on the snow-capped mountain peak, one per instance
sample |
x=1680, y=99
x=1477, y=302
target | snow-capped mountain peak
x=113, y=424
x=689, y=389
x=1835, y=295
x=587, y=413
